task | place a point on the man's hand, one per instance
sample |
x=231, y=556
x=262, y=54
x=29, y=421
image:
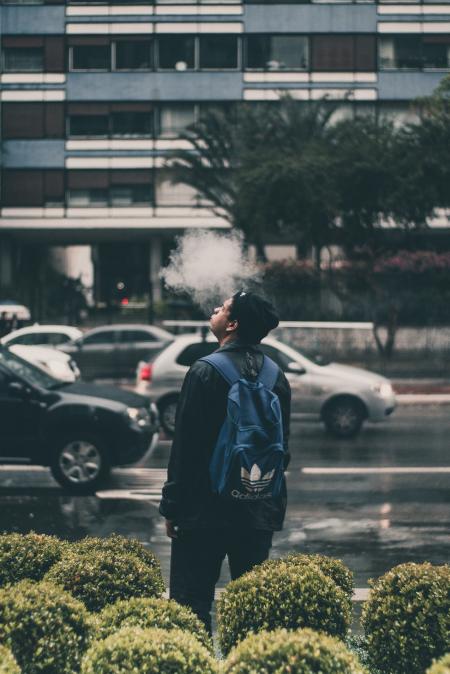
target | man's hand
x=170, y=529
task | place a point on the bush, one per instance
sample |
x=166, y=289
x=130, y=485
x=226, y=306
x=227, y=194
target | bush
x=442, y=666
x=116, y=545
x=330, y=567
x=100, y=578
x=281, y=595
x=8, y=664
x=151, y=651
x=27, y=556
x=45, y=628
x=145, y=613
x=300, y=652
x=407, y=618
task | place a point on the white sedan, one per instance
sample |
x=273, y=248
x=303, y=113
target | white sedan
x=55, y=362
x=43, y=335
x=342, y=397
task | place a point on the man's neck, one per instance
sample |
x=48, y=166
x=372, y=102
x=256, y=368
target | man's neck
x=230, y=337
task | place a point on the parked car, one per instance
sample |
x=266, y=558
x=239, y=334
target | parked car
x=12, y=308
x=113, y=351
x=79, y=430
x=343, y=397
x=43, y=335
x=55, y=362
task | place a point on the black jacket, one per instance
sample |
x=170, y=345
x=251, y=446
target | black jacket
x=187, y=498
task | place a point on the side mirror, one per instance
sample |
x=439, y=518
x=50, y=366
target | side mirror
x=296, y=368
x=79, y=343
x=19, y=390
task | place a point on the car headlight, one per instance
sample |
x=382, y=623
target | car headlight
x=139, y=415
x=384, y=389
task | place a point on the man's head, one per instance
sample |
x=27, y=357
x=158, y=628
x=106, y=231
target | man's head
x=245, y=316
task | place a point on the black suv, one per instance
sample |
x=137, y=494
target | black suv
x=79, y=430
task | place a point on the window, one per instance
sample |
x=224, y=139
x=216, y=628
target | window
x=23, y=59
x=33, y=188
x=109, y=188
x=172, y=193
x=334, y=53
x=436, y=51
x=176, y=52
x=277, y=52
x=400, y=52
x=195, y=351
x=218, y=51
x=103, y=337
x=32, y=120
x=174, y=119
x=137, y=121
x=88, y=126
x=129, y=336
x=91, y=57
x=133, y=54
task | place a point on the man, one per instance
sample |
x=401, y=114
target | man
x=203, y=527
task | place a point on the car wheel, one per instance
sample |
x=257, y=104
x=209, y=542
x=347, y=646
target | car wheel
x=344, y=417
x=167, y=411
x=80, y=463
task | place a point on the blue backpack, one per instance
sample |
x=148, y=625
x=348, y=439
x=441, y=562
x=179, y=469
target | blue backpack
x=248, y=460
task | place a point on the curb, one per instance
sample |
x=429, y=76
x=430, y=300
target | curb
x=423, y=398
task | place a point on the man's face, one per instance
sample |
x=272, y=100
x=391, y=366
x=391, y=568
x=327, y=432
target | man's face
x=220, y=320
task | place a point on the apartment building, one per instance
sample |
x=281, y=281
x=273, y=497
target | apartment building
x=95, y=94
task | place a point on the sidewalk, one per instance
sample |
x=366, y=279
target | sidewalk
x=415, y=391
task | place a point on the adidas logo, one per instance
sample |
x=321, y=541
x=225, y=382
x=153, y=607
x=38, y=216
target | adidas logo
x=254, y=481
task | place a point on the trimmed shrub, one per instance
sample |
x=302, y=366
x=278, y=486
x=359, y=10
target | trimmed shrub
x=45, y=627
x=330, y=567
x=407, y=618
x=145, y=613
x=116, y=545
x=299, y=652
x=8, y=664
x=27, y=556
x=281, y=595
x=442, y=666
x=100, y=578
x=151, y=651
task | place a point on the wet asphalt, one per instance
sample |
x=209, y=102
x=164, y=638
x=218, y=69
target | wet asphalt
x=378, y=500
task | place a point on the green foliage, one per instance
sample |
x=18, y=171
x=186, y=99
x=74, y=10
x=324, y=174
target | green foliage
x=441, y=666
x=281, y=595
x=330, y=567
x=146, y=613
x=358, y=646
x=299, y=652
x=407, y=618
x=99, y=577
x=46, y=628
x=27, y=556
x=8, y=664
x=117, y=545
x=152, y=651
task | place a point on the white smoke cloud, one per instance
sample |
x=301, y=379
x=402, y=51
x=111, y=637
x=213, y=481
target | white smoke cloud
x=209, y=267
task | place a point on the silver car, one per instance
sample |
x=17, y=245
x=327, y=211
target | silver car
x=341, y=396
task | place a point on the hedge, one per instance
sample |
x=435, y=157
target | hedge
x=8, y=664
x=145, y=613
x=297, y=652
x=99, y=578
x=281, y=595
x=29, y=556
x=46, y=628
x=407, y=618
x=441, y=666
x=151, y=651
x=116, y=545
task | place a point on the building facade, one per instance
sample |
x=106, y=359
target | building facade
x=95, y=94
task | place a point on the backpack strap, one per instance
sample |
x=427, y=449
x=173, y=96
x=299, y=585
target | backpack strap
x=268, y=374
x=224, y=366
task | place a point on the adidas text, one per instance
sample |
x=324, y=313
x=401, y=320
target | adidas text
x=249, y=497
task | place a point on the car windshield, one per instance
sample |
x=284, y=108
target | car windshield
x=26, y=371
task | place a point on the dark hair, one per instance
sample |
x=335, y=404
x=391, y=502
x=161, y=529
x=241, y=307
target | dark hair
x=255, y=315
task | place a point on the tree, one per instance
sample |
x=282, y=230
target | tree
x=265, y=168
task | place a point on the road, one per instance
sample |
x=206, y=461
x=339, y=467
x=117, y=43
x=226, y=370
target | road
x=375, y=501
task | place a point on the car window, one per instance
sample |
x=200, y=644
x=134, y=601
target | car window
x=26, y=371
x=103, y=337
x=127, y=336
x=195, y=351
x=55, y=338
x=22, y=339
x=280, y=358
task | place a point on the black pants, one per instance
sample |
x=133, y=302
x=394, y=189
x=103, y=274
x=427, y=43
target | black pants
x=196, y=560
